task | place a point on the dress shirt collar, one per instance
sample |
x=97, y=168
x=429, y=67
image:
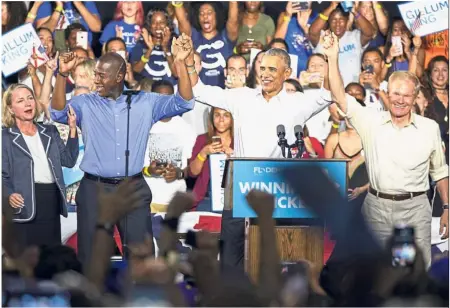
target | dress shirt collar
x=278, y=97
x=386, y=118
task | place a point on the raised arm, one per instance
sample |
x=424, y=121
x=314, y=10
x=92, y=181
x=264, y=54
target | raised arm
x=32, y=14
x=233, y=21
x=52, y=22
x=92, y=18
x=183, y=22
x=44, y=98
x=367, y=30
x=381, y=18
x=319, y=24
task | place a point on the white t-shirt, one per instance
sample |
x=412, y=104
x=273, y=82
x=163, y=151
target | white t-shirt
x=170, y=142
x=373, y=101
x=42, y=172
x=198, y=117
x=350, y=52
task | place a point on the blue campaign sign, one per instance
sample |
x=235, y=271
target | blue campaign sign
x=75, y=174
x=267, y=176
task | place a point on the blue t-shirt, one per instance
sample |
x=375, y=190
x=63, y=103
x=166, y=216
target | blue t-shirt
x=299, y=43
x=214, y=53
x=157, y=68
x=71, y=13
x=130, y=32
x=378, y=41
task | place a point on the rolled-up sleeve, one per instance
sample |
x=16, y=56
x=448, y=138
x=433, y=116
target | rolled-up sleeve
x=438, y=165
x=60, y=116
x=167, y=106
x=359, y=116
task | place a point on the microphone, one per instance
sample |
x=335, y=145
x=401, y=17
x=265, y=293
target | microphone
x=282, y=142
x=131, y=92
x=298, y=131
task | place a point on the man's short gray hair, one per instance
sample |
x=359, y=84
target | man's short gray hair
x=277, y=52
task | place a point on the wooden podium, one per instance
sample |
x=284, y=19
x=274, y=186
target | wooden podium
x=299, y=234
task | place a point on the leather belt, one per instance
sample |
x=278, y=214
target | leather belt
x=112, y=181
x=399, y=197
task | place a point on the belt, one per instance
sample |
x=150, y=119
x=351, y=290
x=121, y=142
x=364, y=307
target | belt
x=399, y=197
x=112, y=181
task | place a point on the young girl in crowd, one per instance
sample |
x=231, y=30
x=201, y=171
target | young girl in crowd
x=220, y=124
x=152, y=57
x=127, y=23
x=213, y=43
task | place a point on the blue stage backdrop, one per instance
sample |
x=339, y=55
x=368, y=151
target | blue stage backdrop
x=267, y=176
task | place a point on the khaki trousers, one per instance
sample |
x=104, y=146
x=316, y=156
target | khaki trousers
x=382, y=215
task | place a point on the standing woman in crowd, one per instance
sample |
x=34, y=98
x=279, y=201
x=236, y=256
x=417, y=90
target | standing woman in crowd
x=347, y=145
x=151, y=57
x=375, y=14
x=32, y=158
x=436, y=77
x=256, y=29
x=312, y=80
x=214, y=44
x=293, y=27
x=126, y=24
x=220, y=123
x=398, y=60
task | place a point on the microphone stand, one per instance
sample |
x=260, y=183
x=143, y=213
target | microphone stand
x=282, y=142
x=127, y=161
x=300, y=144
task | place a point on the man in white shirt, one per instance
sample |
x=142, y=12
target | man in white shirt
x=256, y=114
x=401, y=149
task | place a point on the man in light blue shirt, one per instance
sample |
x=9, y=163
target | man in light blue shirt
x=102, y=117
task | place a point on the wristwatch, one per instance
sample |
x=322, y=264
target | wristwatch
x=108, y=227
x=445, y=207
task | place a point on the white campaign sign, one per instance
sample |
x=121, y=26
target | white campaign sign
x=217, y=167
x=17, y=47
x=433, y=15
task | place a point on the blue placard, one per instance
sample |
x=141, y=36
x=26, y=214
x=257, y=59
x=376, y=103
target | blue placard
x=75, y=174
x=267, y=176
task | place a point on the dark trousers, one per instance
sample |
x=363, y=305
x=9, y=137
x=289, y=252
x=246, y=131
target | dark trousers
x=87, y=215
x=45, y=228
x=233, y=237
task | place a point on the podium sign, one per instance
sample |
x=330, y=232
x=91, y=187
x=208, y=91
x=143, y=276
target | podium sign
x=267, y=176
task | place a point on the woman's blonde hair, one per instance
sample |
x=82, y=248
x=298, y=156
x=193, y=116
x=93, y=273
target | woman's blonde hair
x=88, y=67
x=8, y=119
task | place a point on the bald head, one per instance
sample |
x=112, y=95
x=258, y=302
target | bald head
x=117, y=64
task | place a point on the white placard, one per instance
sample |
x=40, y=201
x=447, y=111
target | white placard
x=433, y=15
x=294, y=61
x=217, y=168
x=17, y=47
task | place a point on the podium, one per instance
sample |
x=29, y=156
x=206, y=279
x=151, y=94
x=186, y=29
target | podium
x=299, y=234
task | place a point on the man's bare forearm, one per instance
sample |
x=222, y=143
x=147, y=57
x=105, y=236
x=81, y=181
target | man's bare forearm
x=184, y=83
x=102, y=250
x=442, y=187
x=59, y=93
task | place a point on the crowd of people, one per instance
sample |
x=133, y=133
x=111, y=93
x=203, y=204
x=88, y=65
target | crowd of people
x=153, y=94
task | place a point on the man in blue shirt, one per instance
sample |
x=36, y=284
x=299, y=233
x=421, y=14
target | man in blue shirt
x=102, y=117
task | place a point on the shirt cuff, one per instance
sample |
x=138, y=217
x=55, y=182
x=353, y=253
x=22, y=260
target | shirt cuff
x=57, y=115
x=189, y=103
x=440, y=173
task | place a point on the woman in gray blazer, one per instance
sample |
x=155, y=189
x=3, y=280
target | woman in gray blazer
x=32, y=158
